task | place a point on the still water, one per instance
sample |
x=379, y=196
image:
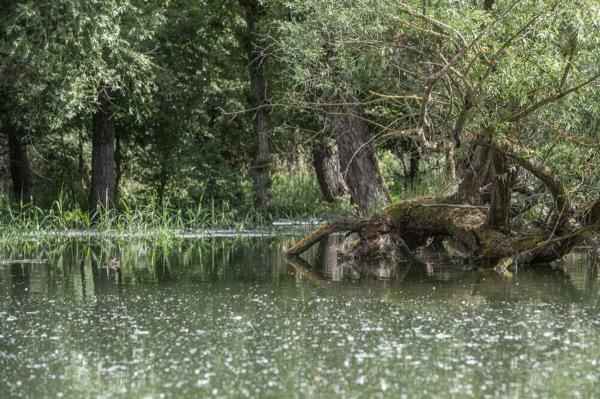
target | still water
x=231, y=318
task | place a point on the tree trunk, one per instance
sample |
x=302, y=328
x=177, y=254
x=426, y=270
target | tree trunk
x=162, y=182
x=327, y=168
x=82, y=167
x=502, y=182
x=357, y=160
x=410, y=224
x=476, y=171
x=20, y=170
x=252, y=10
x=414, y=164
x=118, y=163
x=102, y=188
x=451, y=162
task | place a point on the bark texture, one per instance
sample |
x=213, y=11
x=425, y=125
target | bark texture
x=119, y=167
x=102, y=187
x=327, y=168
x=357, y=160
x=20, y=171
x=252, y=14
x=476, y=172
x=502, y=182
x=414, y=164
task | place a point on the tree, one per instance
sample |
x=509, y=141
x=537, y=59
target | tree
x=103, y=184
x=20, y=171
x=108, y=73
x=483, y=89
x=253, y=11
x=188, y=150
x=16, y=135
x=358, y=162
x=327, y=167
x=327, y=68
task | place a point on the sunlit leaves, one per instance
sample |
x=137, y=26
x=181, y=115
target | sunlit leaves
x=65, y=51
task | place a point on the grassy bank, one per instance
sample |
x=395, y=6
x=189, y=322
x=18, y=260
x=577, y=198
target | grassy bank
x=295, y=197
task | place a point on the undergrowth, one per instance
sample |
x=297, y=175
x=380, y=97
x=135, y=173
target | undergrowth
x=294, y=193
x=295, y=196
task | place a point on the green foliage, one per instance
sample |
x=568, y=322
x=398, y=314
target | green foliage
x=295, y=195
x=60, y=54
x=201, y=73
x=338, y=48
x=432, y=179
x=176, y=71
x=26, y=220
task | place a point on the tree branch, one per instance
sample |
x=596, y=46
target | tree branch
x=551, y=98
x=544, y=174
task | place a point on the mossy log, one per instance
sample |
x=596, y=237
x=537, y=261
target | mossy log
x=404, y=226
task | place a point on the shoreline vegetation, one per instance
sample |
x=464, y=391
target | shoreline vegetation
x=297, y=206
x=404, y=123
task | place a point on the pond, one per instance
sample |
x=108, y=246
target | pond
x=227, y=317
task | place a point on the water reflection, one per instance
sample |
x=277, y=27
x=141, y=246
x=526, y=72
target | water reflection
x=85, y=268
x=575, y=279
x=225, y=317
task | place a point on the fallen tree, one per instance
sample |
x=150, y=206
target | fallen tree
x=484, y=237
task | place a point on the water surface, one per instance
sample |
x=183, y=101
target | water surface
x=231, y=318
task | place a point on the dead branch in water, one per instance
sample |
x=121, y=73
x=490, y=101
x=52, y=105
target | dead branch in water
x=323, y=231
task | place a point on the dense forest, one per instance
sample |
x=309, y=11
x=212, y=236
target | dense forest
x=485, y=111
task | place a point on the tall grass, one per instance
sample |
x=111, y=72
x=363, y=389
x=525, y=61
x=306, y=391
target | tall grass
x=295, y=196
x=25, y=219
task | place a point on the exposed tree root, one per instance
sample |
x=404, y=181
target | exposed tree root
x=405, y=226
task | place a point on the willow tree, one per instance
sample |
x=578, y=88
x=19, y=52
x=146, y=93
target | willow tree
x=81, y=57
x=325, y=70
x=511, y=89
